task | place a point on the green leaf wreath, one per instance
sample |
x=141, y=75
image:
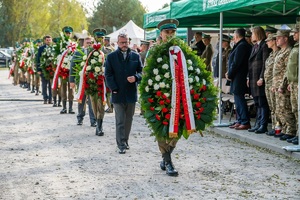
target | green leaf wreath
x=47, y=62
x=156, y=90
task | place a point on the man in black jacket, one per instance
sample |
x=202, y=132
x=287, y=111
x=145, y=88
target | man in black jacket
x=123, y=70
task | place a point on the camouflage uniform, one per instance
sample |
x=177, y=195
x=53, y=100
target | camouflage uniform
x=283, y=110
x=268, y=77
x=292, y=78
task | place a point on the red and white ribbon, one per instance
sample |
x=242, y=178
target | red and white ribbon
x=180, y=94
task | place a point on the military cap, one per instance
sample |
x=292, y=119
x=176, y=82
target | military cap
x=170, y=24
x=99, y=32
x=271, y=36
x=55, y=40
x=38, y=40
x=107, y=38
x=67, y=29
x=205, y=36
x=226, y=38
x=248, y=34
x=282, y=33
x=144, y=42
x=270, y=29
x=295, y=29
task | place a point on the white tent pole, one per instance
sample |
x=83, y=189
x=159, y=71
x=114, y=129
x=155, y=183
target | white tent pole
x=219, y=124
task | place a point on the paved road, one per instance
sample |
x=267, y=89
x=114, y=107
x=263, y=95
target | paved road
x=45, y=155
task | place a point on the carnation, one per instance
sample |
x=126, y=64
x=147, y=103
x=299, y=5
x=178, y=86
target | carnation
x=96, y=53
x=93, y=61
x=190, y=68
x=191, y=80
x=165, y=66
x=167, y=86
x=150, y=82
x=204, y=81
x=198, y=71
x=147, y=89
x=189, y=62
x=156, y=86
x=162, y=85
x=159, y=60
x=155, y=71
x=167, y=75
x=157, y=77
x=197, y=79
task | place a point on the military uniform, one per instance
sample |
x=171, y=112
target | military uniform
x=207, y=53
x=283, y=109
x=268, y=78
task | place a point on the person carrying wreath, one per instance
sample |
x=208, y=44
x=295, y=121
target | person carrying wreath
x=177, y=93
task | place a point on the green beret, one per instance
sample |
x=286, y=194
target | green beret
x=67, y=29
x=169, y=24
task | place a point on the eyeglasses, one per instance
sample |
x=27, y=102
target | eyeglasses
x=124, y=42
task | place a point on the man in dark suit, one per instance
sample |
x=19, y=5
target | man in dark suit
x=123, y=70
x=237, y=74
x=198, y=45
x=82, y=105
x=45, y=83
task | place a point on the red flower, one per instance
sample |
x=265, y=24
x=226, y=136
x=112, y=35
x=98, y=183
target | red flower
x=157, y=117
x=168, y=116
x=99, y=93
x=196, y=96
x=165, y=123
x=164, y=110
x=198, y=104
x=91, y=75
x=168, y=101
x=192, y=92
x=158, y=93
x=204, y=99
x=152, y=108
x=161, y=102
x=198, y=116
x=87, y=86
x=150, y=100
x=99, y=82
x=203, y=87
x=201, y=110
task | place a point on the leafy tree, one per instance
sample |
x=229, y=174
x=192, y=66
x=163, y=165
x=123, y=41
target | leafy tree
x=117, y=13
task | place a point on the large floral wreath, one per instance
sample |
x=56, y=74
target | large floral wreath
x=193, y=107
x=25, y=58
x=47, y=62
x=91, y=77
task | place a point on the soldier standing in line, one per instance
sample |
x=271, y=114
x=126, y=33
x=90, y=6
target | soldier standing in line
x=283, y=109
x=107, y=49
x=36, y=76
x=268, y=78
x=292, y=78
x=208, y=52
x=144, y=49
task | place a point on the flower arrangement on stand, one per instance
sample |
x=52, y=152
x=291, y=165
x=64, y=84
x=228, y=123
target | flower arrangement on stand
x=177, y=93
x=47, y=65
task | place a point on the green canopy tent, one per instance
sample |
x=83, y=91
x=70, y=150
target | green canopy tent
x=152, y=19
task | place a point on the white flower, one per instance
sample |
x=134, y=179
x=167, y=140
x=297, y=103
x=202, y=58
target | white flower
x=157, y=77
x=97, y=69
x=96, y=53
x=189, y=62
x=84, y=57
x=93, y=61
x=171, y=48
x=191, y=80
x=167, y=75
x=150, y=82
x=103, y=69
x=167, y=86
x=197, y=70
x=159, y=60
x=81, y=72
x=88, y=68
x=156, y=86
x=100, y=60
x=191, y=87
x=165, y=66
x=204, y=81
x=174, y=57
x=197, y=79
x=147, y=89
x=190, y=68
x=82, y=63
x=167, y=94
x=155, y=71
x=162, y=85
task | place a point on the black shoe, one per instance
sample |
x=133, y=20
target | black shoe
x=71, y=111
x=45, y=101
x=63, y=111
x=170, y=170
x=93, y=124
x=261, y=129
x=253, y=129
x=279, y=135
x=162, y=165
x=127, y=146
x=122, y=151
x=59, y=105
x=296, y=141
x=99, y=133
x=286, y=136
x=271, y=133
x=109, y=110
x=291, y=139
x=50, y=102
x=79, y=123
x=54, y=105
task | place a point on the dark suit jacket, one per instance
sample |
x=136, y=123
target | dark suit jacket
x=117, y=69
x=38, y=58
x=256, y=70
x=238, y=67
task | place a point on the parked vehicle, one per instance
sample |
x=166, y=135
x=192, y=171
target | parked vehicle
x=5, y=59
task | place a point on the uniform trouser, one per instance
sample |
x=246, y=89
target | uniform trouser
x=46, y=89
x=56, y=91
x=22, y=77
x=108, y=101
x=30, y=78
x=97, y=107
x=294, y=102
x=65, y=87
x=82, y=108
x=284, y=114
x=37, y=80
x=271, y=102
x=124, y=115
x=16, y=74
x=166, y=146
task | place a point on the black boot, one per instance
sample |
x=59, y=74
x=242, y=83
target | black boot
x=170, y=169
x=64, y=110
x=32, y=89
x=28, y=88
x=37, y=91
x=99, y=130
x=71, y=107
x=54, y=102
x=59, y=101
